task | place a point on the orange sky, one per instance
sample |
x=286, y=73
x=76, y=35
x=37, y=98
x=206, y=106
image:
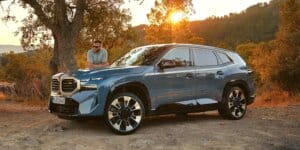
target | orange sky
x=203, y=8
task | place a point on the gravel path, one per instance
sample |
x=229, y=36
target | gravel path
x=261, y=128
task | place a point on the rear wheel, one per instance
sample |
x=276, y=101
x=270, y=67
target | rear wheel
x=234, y=104
x=124, y=113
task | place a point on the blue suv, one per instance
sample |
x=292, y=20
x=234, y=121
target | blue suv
x=156, y=79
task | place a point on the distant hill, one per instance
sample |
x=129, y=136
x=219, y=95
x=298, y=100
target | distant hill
x=255, y=24
x=9, y=48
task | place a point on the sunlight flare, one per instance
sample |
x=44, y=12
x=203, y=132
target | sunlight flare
x=176, y=17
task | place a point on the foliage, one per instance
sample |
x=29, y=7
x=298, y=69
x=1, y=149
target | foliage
x=64, y=20
x=29, y=71
x=259, y=58
x=287, y=53
x=258, y=23
x=278, y=61
x=163, y=30
x=109, y=24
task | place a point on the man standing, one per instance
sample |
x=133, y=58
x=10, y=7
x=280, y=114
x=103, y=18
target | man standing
x=97, y=56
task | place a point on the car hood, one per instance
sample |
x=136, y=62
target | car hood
x=109, y=72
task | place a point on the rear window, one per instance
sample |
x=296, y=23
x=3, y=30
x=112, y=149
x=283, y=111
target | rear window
x=205, y=58
x=224, y=58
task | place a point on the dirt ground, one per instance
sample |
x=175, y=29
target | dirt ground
x=261, y=128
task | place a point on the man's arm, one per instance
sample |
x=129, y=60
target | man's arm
x=104, y=59
x=92, y=65
x=104, y=64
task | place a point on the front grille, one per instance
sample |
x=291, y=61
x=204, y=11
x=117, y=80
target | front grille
x=55, y=85
x=68, y=85
x=69, y=108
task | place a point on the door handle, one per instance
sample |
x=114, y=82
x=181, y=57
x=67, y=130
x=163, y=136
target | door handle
x=220, y=73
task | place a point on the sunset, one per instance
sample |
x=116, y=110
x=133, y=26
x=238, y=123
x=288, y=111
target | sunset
x=139, y=14
x=149, y=74
x=176, y=17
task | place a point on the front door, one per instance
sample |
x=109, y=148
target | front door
x=170, y=85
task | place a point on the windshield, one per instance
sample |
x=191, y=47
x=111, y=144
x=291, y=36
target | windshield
x=141, y=56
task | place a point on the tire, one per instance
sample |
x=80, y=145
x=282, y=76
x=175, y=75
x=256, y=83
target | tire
x=124, y=113
x=234, y=103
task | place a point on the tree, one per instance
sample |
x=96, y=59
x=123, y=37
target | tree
x=164, y=29
x=287, y=53
x=107, y=23
x=60, y=19
x=258, y=23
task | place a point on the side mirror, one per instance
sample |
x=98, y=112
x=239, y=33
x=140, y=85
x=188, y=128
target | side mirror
x=167, y=64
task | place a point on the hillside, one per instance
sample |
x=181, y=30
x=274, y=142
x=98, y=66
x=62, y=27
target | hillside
x=255, y=24
x=8, y=48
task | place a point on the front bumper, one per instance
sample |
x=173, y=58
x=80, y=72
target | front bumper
x=70, y=108
x=82, y=103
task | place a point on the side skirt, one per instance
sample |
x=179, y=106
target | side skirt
x=185, y=107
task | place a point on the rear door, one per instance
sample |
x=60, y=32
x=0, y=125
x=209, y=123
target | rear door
x=208, y=73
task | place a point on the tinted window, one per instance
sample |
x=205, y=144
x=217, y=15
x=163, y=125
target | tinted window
x=224, y=58
x=181, y=56
x=205, y=58
x=140, y=56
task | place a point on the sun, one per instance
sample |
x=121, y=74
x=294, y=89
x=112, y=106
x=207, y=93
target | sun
x=176, y=17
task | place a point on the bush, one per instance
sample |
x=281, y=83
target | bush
x=29, y=71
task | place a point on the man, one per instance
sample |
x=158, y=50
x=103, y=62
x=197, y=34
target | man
x=97, y=56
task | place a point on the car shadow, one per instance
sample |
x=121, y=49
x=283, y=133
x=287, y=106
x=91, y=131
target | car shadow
x=98, y=125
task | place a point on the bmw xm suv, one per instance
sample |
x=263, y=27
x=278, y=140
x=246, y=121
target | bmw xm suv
x=156, y=79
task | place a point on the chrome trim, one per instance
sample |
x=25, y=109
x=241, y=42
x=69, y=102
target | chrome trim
x=169, y=72
x=75, y=90
x=60, y=77
x=89, y=86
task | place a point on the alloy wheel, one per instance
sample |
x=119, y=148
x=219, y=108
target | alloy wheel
x=237, y=103
x=124, y=114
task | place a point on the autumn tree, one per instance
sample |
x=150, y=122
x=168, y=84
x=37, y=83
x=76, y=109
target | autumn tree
x=278, y=61
x=259, y=57
x=169, y=22
x=257, y=23
x=108, y=23
x=61, y=20
x=287, y=54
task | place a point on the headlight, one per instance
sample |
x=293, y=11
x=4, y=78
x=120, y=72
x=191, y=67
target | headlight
x=90, y=79
x=84, y=80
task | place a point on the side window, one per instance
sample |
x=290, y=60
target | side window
x=224, y=58
x=179, y=56
x=205, y=58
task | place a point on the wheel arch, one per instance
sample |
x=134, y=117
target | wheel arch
x=239, y=83
x=136, y=88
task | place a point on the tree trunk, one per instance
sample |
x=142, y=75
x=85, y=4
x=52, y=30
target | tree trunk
x=63, y=59
x=65, y=32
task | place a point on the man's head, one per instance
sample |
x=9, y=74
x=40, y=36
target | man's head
x=97, y=45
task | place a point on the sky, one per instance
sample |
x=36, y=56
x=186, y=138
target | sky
x=203, y=8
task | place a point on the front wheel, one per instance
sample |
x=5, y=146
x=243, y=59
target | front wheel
x=234, y=104
x=124, y=113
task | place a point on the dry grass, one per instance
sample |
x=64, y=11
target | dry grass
x=21, y=104
x=270, y=96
